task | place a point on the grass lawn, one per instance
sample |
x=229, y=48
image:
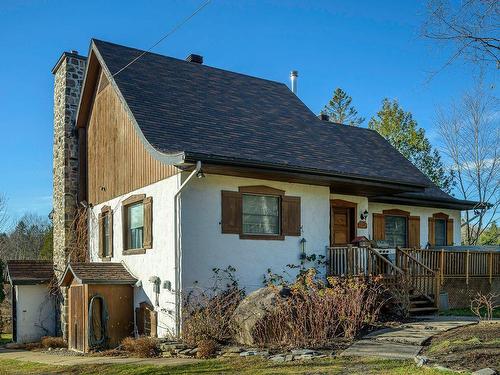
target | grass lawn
x=5, y=338
x=467, y=312
x=248, y=366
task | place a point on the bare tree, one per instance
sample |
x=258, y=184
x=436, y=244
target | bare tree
x=3, y=213
x=470, y=134
x=472, y=27
x=26, y=239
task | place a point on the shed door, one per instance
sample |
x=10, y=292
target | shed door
x=76, y=319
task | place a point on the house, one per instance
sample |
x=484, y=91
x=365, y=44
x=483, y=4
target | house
x=185, y=167
x=33, y=305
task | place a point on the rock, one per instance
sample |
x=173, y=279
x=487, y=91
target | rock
x=289, y=357
x=485, y=371
x=250, y=352
x=193, y=351
x=421, y=360
x=277, y=358
x=302, y=351
x=250, y=310
x=232, y=349
x=304, y=357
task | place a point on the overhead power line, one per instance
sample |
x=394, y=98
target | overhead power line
x=176, y=27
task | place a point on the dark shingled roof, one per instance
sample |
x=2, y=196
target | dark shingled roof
x=184, y=107
x=29, y=271
x=99, y=273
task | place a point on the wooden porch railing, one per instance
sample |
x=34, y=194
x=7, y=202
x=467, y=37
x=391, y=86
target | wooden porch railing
x=350, y=260
x=421, y=278
x=460, y=264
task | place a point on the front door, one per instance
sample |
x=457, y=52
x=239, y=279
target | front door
x=341, y=228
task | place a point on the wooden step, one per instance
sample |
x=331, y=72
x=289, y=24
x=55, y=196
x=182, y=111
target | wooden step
x=421, y=302
x=422, y=310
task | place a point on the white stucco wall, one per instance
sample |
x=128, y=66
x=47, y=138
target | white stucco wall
x=159, y=260
x=205, y=247
x=35, y=312
x=424, y=213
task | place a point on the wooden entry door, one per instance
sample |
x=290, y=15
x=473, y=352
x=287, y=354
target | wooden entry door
x=342, y=222
x=340, y=226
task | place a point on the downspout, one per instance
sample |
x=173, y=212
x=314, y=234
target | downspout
x=177, y=244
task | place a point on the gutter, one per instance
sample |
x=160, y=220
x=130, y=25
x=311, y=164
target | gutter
x=178, y=254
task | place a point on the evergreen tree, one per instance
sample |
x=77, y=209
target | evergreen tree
x=340, y=110
x=490, y=236
x=402, y=132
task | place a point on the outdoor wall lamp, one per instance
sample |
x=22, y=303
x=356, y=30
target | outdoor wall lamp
x=364, y=215
x=303, y=248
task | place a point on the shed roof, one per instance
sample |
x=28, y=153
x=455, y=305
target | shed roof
x=29, y=272
x=97, y=273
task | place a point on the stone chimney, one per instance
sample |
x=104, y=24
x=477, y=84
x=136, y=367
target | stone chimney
x=68, y=80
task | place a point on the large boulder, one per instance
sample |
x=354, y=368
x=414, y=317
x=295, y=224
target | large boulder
x=252, y=308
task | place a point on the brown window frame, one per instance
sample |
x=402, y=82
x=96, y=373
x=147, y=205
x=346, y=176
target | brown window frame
x=263, y=191
x=399, y=213
x=106, y=213
x=447, y=222
x=132, y=200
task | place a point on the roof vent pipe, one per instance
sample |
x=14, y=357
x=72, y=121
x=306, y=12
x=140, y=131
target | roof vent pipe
x=293, y=78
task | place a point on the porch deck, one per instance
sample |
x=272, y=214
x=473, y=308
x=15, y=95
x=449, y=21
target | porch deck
x=424, y=271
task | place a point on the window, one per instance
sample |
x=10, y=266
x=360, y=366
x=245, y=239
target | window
x=396, y=230
x=261, y=214
x=440, y=232
x=135, y=226
x=106, y=233
x=137, y=219
x=106, y=248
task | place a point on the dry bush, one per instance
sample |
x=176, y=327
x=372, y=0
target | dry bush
x=484, y=302
x=143, y=346
x=53, y=342
x=314, y=312
x=33, y=345
x=208, y=313
x=206, y=349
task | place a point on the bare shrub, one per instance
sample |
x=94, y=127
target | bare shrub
x=483, y=305
x=207, y=313
x=53, y=342
x=143, y=346
x=315, y=312
x=206, y=349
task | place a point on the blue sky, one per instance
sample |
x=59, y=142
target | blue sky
x=370, y=49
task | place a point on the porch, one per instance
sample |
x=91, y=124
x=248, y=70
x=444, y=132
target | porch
x=425, y=272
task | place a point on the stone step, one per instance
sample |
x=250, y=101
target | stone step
x=423, y=310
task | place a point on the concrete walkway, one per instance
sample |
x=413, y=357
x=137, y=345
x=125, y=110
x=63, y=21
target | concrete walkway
x=404, y=342
x=72, y=360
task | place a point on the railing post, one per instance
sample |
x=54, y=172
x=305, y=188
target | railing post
x=369, y=260
x=467, y=268
x=350, y=265
x=490, y=266
x=437, y=290
x=441, y=265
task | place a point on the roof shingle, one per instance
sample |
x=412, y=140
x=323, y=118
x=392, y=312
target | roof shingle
x=29, y=271
x=99, y=273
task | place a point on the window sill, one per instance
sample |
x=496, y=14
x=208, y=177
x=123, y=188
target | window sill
x=262, y=237
x=134, y=251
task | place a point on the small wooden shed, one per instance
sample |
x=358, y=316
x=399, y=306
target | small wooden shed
x=33, y=305
x=101, y=305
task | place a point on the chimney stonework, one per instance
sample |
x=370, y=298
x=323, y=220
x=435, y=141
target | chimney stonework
x=68, y=79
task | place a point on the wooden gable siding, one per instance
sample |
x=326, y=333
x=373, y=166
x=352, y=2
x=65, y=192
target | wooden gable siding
x=118, y=162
